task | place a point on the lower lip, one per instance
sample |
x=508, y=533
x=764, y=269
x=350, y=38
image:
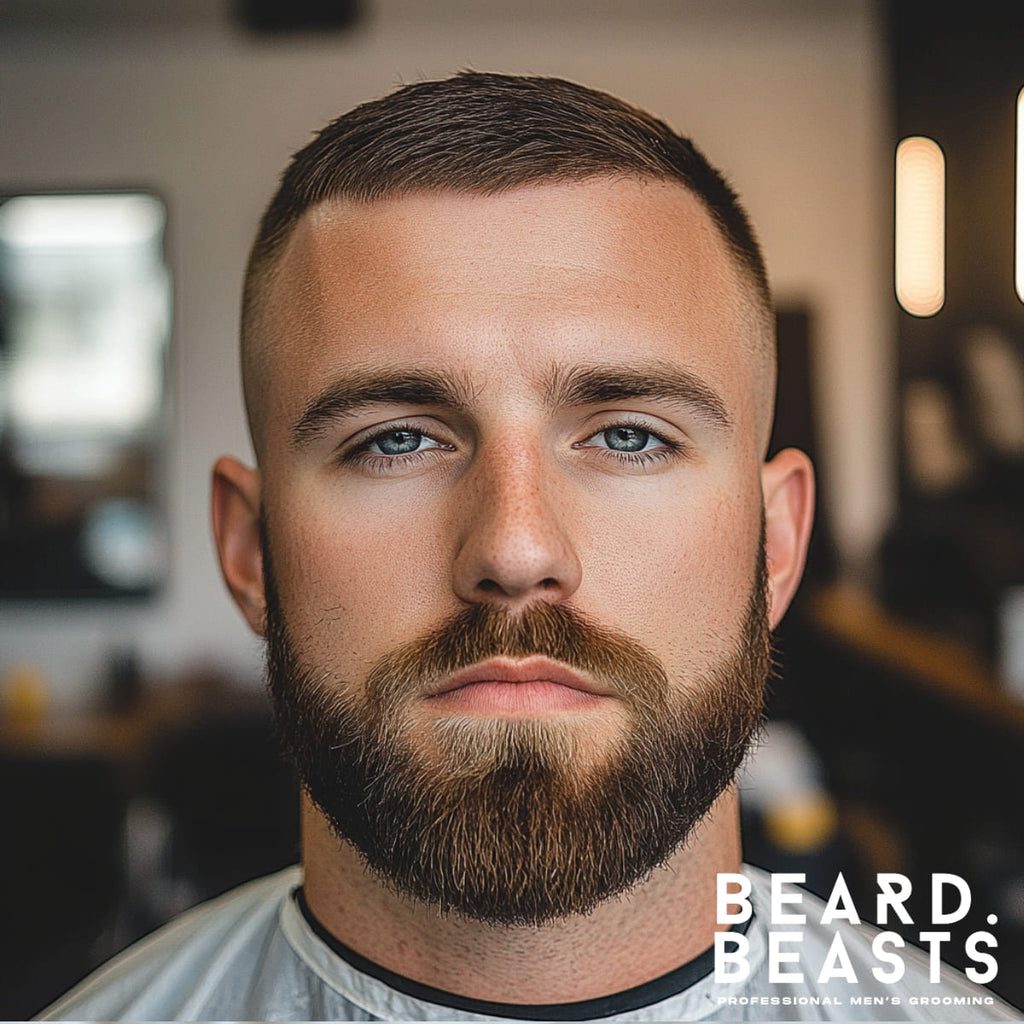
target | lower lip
x=535, y=697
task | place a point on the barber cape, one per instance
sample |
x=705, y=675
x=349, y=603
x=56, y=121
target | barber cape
x=256, y=954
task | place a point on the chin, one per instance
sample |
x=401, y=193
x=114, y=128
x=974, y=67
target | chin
x=472, y=743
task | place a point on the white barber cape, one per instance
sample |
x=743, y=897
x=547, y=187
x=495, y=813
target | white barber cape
x=255, y=954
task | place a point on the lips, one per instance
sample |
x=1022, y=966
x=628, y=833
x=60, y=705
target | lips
x=505, y=685
x=518, y=671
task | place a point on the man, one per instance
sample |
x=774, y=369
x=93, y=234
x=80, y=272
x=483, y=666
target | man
x=508, y=358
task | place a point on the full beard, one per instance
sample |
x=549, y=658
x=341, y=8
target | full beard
x=517, y=821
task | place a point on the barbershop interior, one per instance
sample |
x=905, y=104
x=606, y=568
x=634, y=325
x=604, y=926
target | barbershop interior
x=877, y=146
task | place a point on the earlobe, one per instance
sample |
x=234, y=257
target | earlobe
x=787, y=482
x=235, y=508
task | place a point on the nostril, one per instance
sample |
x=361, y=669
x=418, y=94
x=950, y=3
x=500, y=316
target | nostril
x=489, y=586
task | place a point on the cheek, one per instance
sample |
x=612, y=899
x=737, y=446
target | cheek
x=354, y=586
x=677, y=579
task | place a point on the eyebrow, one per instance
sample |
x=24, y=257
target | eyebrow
x=582, y=385
x=357, y=390
x=593, y=385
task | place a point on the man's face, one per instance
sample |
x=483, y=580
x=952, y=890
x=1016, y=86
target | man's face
x=482, y=406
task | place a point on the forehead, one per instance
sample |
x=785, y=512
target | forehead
x=508, y=285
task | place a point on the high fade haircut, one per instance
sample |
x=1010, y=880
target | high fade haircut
x=480, y=133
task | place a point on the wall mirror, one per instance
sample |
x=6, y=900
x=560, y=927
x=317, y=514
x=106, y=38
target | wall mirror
x=85, y=310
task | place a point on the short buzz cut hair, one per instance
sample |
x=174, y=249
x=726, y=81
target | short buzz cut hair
x=481, y=133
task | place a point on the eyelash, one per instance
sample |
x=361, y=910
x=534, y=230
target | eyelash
x=669, y=448
x=383, y=463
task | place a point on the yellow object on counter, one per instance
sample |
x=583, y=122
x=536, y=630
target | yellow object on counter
x=803, y=824
x=24, y=695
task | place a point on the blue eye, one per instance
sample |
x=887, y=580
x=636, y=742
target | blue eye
x=394, y=448
x=398, y=442
x=632, y=444
x=626, y=439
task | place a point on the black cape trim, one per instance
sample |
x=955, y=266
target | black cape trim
x=650, y=992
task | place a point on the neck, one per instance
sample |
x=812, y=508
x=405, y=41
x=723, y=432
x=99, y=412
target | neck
x=657, y=926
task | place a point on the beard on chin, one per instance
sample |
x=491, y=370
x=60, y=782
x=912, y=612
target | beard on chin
x=516, y=821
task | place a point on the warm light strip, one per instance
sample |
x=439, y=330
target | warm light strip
x=920, y=226
x=1018, y=276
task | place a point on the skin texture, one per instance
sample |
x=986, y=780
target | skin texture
x=516, y=498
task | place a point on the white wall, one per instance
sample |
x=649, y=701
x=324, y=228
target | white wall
x=793, y=109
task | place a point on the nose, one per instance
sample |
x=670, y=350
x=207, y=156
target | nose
x=513, y=546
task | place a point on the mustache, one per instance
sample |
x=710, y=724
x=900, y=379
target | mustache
x=481, y=632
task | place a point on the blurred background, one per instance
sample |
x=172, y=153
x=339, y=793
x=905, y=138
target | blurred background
x=139, y=142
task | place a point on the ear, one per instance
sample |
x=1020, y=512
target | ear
x=236, y=529
x=787, y=482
